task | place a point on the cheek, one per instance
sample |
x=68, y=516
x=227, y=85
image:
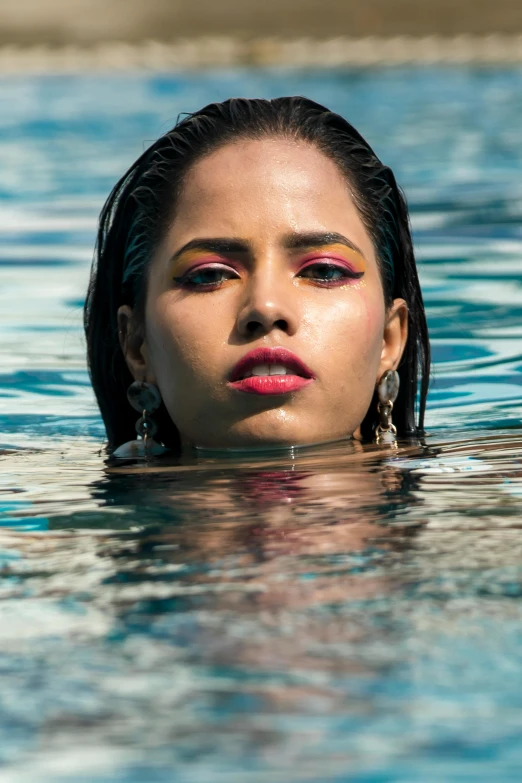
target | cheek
x=179, y=339
x=370, y=324
x=350, y=332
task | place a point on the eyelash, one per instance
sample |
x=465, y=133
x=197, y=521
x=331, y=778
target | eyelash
x=345, y=274
x=188, y=280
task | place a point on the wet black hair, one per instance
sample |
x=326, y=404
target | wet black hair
x=141, y=206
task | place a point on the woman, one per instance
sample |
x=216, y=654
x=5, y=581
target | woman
x=255, y=285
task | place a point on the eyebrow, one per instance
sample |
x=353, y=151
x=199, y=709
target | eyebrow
x=319, y=239
x=224, y=245
x=293, y=241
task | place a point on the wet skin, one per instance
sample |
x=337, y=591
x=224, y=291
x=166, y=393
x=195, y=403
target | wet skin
x=266, y=249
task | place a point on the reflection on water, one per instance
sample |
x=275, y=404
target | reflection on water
x=285, y=620
x=342, y=613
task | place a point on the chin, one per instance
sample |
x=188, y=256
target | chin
x=249, y=434
x=276, y=427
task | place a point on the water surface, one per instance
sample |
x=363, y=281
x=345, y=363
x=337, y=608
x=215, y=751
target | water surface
x=328, y=615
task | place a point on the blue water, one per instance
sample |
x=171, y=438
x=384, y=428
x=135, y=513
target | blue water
x=329, y=616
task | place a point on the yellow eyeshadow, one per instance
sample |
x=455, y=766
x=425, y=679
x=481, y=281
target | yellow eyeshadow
x=353, y=285
x=187, y=258
x=355, y=258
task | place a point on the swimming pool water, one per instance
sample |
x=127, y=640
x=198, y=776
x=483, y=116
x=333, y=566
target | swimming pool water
x=327, y=616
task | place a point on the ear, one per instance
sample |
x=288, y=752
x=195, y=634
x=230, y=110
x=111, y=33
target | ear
x=133, y=345
x=394, y=337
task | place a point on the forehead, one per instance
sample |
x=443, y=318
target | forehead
x=258, y=188
x=274, y=163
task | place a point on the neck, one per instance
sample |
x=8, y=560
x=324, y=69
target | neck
x=265, y=449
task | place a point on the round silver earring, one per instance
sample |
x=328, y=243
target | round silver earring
x=387, y=391
x=146, y=399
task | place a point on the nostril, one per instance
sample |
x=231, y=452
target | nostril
x=253, y=327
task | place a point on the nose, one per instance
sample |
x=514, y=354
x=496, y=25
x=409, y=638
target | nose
x=268, y=304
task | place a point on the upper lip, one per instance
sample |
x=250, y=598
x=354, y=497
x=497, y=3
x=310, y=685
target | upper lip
x=270, y=356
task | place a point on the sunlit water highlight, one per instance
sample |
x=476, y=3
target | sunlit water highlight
x=335, y=614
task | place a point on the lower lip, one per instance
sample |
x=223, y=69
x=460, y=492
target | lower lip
x=271, y=384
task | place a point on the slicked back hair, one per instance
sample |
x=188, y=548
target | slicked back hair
x=140, y=209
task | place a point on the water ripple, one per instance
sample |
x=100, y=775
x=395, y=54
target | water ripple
x=340, y=611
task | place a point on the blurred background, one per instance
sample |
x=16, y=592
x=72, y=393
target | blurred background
x=92, y=21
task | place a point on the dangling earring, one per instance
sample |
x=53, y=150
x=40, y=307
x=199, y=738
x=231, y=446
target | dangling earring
x=387, y=391
x=144, y=398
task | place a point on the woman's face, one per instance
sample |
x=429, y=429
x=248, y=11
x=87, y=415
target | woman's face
x=265, y=320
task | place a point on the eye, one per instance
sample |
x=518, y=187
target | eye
x=326, y=273
x=211, y=276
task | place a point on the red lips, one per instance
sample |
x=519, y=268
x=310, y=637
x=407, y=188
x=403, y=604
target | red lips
x=298, y=374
